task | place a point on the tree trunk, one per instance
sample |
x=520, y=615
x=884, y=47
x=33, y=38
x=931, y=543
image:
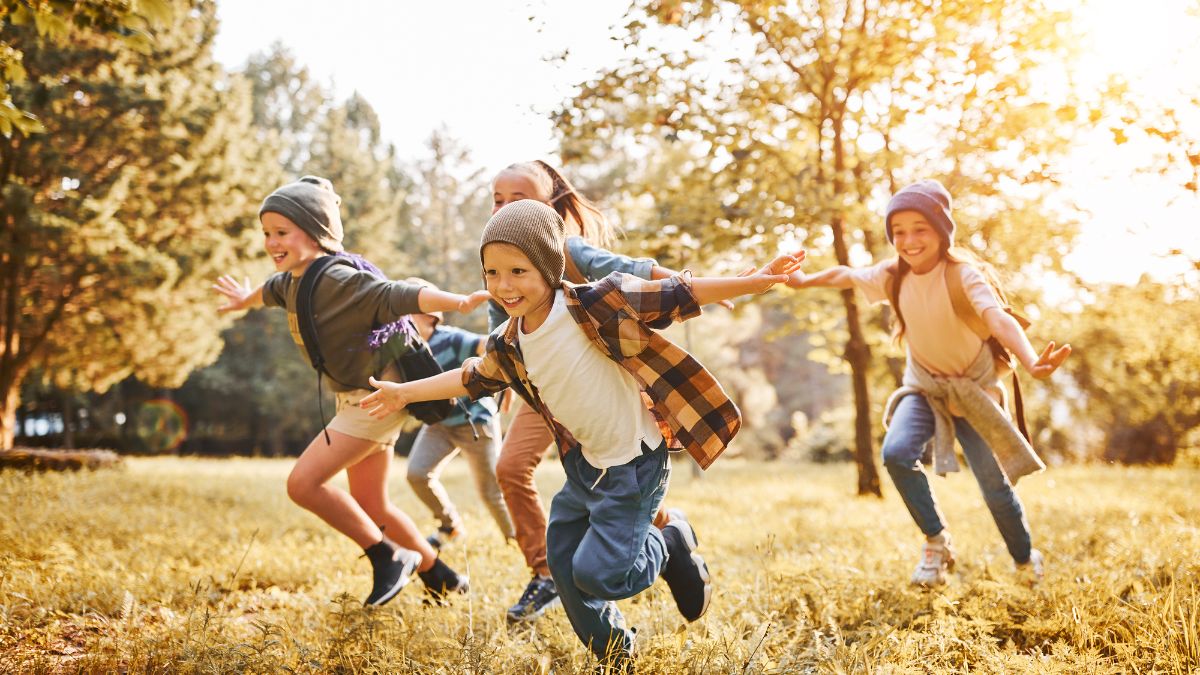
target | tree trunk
x=858, y=352
x=858, y=355
x=8, y=414
x=68, y=419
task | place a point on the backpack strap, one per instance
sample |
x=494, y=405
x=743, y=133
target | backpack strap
x=306, y=321
x=963, y=308
x=965, y=311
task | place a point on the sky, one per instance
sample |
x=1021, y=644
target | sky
x=481, y=69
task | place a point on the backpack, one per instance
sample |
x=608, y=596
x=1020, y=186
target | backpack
x=398, y=341
x=1005, y=363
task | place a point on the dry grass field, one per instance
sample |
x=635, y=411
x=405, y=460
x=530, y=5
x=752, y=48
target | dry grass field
x=179, y=565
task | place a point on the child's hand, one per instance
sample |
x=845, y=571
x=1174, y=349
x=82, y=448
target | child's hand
x=239, y=295
x=470, y=302
x=388, y=398
x=797, y=280
x=778, y=271
x=1050, y=360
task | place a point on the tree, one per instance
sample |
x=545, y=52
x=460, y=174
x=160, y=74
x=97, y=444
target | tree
x=259, y=396
x=117, y=218
x=58, y=23
x=449, y=209
x=1136, y=370
x=801, y=117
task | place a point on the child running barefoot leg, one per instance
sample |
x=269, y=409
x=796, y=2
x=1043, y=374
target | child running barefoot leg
x=582, y=357
x=301, y=223
x=951, y=313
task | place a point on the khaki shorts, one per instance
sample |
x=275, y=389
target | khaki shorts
x=354, y=421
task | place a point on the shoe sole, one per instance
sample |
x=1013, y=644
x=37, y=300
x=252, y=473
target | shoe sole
x=692, y=542
x=534, y=616
x=406, y=576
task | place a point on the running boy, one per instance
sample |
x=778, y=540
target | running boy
x=583, y=357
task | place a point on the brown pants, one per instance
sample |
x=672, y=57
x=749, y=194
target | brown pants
x=525, y=444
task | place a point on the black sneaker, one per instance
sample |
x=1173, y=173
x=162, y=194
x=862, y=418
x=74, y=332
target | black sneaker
x=685, y=571
x=440, y=581
x=541, y=594
x=392, y=567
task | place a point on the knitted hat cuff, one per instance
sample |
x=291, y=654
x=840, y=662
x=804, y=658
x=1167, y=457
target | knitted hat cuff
x=935, y=212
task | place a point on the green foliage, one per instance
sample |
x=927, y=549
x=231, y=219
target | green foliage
x=260, y=396
x=774, y=125
x=118, y=218
x=59, y=23
x=449, y=206
x=205, y=566
x=1136, y=366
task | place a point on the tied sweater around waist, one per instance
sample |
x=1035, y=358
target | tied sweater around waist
x=969, y=396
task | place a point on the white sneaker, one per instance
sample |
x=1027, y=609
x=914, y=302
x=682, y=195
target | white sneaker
x=937, y=558
x=1032, y=572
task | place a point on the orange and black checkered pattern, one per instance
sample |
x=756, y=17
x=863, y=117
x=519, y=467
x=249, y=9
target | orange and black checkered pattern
x=619, y=314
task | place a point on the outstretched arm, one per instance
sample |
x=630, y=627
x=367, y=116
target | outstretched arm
x=434, y=300
x=1012, y=337
x=837, y=276
x=657, y=272
x=715, y=289
x=239, y=295
x=390, y=397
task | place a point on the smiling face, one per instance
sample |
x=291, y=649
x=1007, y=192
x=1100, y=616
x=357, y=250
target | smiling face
x=916, y=241
x=516, y=284
x=290, y=248
x=513, y=185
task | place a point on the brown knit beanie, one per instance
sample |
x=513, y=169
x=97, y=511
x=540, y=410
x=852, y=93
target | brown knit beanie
x=536, y=229
x=312, y=205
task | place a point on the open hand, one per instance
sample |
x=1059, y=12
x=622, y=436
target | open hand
x=779, y=270
x=239, y=294
x=1050, y=360
x=387, y=398
x=470, y=302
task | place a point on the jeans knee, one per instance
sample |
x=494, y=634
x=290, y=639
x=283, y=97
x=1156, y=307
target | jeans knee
x=598, y=579
x=899, y=454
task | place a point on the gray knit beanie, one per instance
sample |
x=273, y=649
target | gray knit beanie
x=312, y=205
x=930, y=199
x=536, y=229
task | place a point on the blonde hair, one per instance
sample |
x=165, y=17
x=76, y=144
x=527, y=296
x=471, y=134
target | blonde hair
x=572, y=206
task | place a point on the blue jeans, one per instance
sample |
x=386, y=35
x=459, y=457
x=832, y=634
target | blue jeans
x=911, y=428
x=601, y=544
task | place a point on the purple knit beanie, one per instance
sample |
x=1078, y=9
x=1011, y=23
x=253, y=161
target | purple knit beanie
x=930, y=199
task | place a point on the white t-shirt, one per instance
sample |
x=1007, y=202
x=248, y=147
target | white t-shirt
x=596, y=399
x=935, y=336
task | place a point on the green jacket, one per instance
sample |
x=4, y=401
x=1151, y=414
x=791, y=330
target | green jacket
x=349, y=303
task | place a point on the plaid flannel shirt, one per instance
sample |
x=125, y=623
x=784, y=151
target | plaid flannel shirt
x=619, y=314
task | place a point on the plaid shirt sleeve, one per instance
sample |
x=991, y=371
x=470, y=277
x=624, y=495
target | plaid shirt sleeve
x=659, y=303
x=483, y=375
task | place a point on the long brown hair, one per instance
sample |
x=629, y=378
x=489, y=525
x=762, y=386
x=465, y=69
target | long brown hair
x=567, y=201
x=950, y=253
